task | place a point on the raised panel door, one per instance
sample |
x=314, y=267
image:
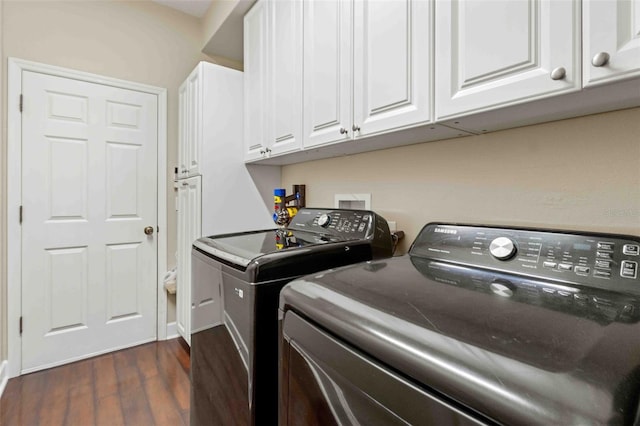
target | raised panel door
x=392, y=64
x=194, y=141
x=499, y=53
x=256, y=131
x=89, y=190
x=184, y=129
x=611, y=30
x=328, y=58
x=189, y=229
x=285, y=75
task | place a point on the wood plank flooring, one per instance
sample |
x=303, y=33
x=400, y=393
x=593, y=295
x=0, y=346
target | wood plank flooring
x=144, y=385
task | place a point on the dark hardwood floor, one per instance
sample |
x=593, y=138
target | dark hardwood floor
x=144, y=385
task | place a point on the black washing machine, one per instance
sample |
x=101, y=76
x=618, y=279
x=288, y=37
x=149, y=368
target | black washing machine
x=236, y=280
x=475, y=325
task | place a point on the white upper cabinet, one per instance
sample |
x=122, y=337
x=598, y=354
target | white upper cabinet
x=392, y=65
x=492, y=54
x=285, y=76
x=367, y=67
x=327, y=71
x=256, y=104
x=190, y=132
x=273, y=78
x=611, y=40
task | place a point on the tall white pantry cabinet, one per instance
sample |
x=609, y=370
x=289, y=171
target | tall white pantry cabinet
x=216, y=192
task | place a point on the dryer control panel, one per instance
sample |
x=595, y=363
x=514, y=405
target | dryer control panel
x=596, y=260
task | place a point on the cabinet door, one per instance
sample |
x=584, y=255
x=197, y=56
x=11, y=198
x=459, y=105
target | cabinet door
x=193, y=147
x=611, y=29
x=255, y=81
x=285, y=75
x=498, y=53
x=183, y=128
x=189, y=229
x=392, y=66
x=327, y=71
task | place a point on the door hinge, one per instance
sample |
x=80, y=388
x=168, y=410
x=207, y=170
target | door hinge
x=20, y=102
x=20, y=215
x=21, y=326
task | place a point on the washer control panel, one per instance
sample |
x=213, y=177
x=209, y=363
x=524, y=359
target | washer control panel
x=595, y=260
x=344, y=223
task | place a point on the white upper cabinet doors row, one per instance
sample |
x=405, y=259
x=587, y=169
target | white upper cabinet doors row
x=366, y=68
x=498, y=53
x=320, y=72
x=361, y=66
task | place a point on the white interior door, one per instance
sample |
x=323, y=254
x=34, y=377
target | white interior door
x=89, y=188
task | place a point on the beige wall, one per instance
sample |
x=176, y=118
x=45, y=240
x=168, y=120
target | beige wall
x=138, y=41
x=581, y=174
x=215, y=17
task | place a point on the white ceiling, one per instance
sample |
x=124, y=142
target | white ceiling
x=193, y=7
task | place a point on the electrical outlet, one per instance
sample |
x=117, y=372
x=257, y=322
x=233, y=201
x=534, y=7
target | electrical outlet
x=392, y=225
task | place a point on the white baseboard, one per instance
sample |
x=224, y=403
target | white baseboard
x=172, y=330
x=4, y=375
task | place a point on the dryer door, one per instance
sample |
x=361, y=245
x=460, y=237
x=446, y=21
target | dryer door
x=325, y=382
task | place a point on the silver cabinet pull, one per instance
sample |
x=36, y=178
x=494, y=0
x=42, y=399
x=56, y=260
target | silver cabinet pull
x=600, y=59
x=558, y=73
x=355, y=128
x=343, y=131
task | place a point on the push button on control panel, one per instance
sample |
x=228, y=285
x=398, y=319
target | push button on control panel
x=565, y=267
x=603, y=255
x=631, y=249
x=606, y=246
x=629, y=269
x=598, y=273
x=604, y=264
x=582, y=270
x=549, y=264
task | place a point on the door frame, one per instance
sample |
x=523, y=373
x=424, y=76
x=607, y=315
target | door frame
x=14, y=190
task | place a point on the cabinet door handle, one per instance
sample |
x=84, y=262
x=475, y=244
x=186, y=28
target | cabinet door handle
x=355, y=128
x=343, y=131
x=558, y=73
x=600, y=59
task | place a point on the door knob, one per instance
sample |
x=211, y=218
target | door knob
x=148, y=230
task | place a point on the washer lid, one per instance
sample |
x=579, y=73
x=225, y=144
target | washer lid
x=242, y=248
x=519, y=351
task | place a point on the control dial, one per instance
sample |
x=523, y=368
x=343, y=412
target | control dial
x=502, y=248
x=324, y=220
